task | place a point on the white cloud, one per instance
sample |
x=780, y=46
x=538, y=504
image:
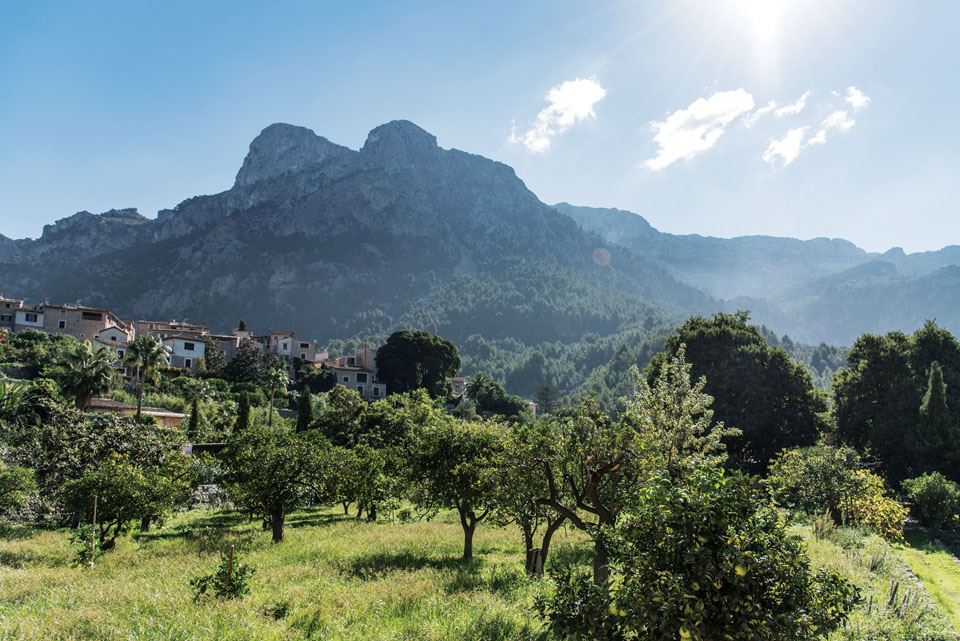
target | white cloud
x=695, y=129
x=856, y=98
x=794, y=107
x=818, y=138
x=569, y=103
x=752, y=118
x=839, y=120
x=787, y=148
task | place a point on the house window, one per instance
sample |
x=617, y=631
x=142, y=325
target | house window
x=95, y=316
x=286, y=346
x=304, y=345
x=6, y=317
x=376, y=391
x=360, y=390
x=361, y=377
x=31, y=318
x=61, y=324
x=119, y=353
x=351, y=360
x=113, y=338
x=188, y=363
x=346, y=379
x=188, y=347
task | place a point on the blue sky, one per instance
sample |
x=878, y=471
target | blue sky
x=660, y=107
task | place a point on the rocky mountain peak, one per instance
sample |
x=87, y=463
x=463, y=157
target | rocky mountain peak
x=399, y=144
x=282, y=148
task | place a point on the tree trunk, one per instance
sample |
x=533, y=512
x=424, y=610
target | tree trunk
x=276, y=524
x=601, y=567
x=528, y=546
x=270, y=414
x=468, y=521
x=145, y=523
x=140, y=377
x=346, y=508
x=468, y=541
x=372, y=512
x=537, y=557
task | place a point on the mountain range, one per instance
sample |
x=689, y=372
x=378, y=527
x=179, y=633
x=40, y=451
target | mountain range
x=333, y=242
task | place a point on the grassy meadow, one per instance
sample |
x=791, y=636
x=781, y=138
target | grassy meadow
x=334, y=578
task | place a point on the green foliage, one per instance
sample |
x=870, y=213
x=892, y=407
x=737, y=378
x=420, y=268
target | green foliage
x=823, y=478
x=16, y=485
x=340, y=418
x=877, y=397
x=938, y=435
x=756, y=387
x=415, y=359
x=271, y=472
x=935, y=499
x=706, y=559
x=119, y=490
x=304, y=410
x=491, y=399
x=67, y=444
x=450, y=465
x=213, y=359
x=86, y=544
x=814, y=479
x=231, y=580
x=673, y=420
x=248, y=364
x=146, y=355
x=579, y=608
x=242, y=422
x=87, y=372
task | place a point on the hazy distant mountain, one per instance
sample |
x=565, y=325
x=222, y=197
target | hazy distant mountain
x=815, y=290
x=329, y=241
x=334, y=242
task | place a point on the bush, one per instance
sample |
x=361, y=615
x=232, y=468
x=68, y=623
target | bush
x=229, y=581
x=935, y=499
x=869, y=505
x=824, y=479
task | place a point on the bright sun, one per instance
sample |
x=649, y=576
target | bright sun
x=763, y=16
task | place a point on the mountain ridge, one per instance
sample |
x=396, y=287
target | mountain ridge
x=331, y=240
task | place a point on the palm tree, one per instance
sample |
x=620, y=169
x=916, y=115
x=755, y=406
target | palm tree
x=145, y=353
x=89, y=372
x=14, y=403
x=477, y=385
x=275, y=380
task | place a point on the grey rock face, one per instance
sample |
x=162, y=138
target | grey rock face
x=282, y=149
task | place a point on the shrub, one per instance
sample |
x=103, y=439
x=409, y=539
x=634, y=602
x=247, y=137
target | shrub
x=935, y=499
x=870, y=506
x=229, y=581
x=820, y=479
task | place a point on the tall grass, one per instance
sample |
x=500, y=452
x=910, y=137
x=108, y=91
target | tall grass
x=337, y=579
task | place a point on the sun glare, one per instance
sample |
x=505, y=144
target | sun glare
x=763, y=16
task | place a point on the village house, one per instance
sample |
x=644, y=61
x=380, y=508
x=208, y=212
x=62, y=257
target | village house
x=357, y=372
x=186, y=350
x=8, y=312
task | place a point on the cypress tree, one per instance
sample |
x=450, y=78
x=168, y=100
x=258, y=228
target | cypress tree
x=194, y=420
x=243, y=414
x=936, y=433
x=304, y=410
